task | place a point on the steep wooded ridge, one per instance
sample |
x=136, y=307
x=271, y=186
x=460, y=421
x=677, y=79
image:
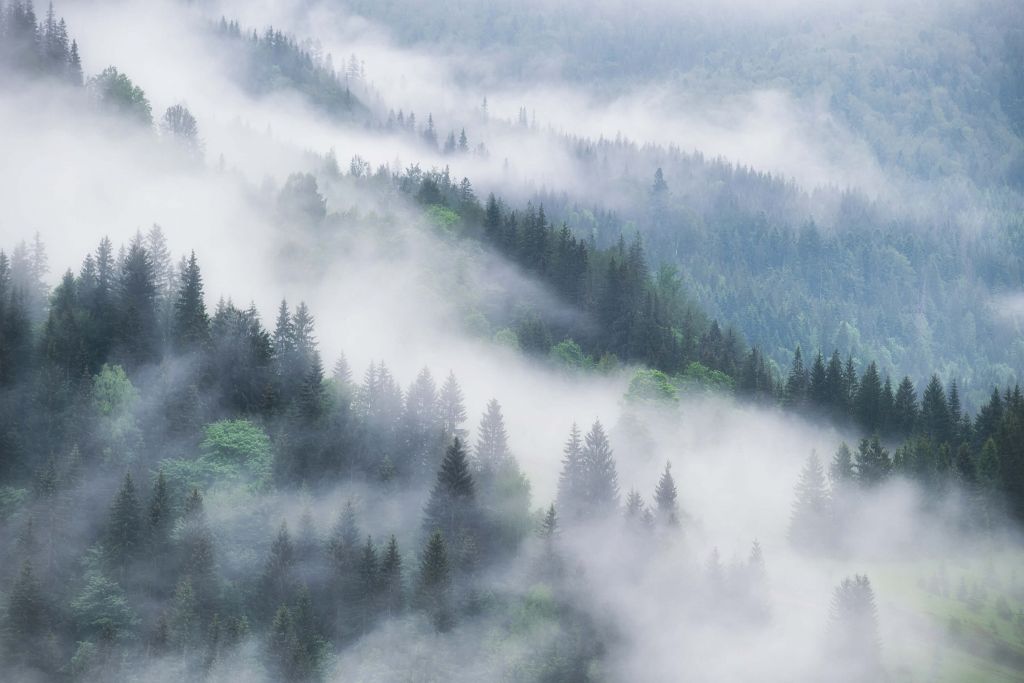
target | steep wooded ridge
x=199, y=491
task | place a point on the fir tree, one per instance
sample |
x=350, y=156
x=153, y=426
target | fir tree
x=191, y=323
x=391, y=587
x=125, y=535
x=434, y=590
x=451, y=508
x=809, y=522
x=854, y=646
x=665, y=496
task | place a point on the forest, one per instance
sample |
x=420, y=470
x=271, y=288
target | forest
x=533, y=404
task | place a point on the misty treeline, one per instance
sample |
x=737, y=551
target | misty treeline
x=126, y=405
x=271, y=61
x=37, y=47
x=125, y=402
x=878, y=70
x=822, y=269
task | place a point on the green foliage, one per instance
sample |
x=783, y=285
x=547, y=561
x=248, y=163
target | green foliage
x=232, y=453
x=569, y=355
x=699, y=378
x=651, y=387
x=101, y=609
x=116, y=92
x=112, y=392
x=442, y=219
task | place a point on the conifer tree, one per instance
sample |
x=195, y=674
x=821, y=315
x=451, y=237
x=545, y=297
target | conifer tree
x=453, y=409
x=809, y=522
x=435, y=583
x=872, y=462
x=27, y=619
x=935, y=421
x=158, y=517
x=572, y=480
x=191, y=323
x=905, y=408
x=602, y=487
x=665, y=496
x=277, y=574
x=452, y=505
x=492, y=442
x=854, y=645
x=795, y=391
x=125, y=528
x=391, y=587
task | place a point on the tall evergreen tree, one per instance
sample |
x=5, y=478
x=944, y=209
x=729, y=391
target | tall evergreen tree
x=452, y=505
x=809, y=524
x=665, y=496
x=435, y=582
x=191, y=322
x=125, y=530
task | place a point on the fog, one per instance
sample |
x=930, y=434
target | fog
x=385, y=284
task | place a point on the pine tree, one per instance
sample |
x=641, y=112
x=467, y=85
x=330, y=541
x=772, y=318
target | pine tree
x=868, y=400
x=277, y=574
x=27, y=618
x=195, y=549
x=935, y=421
x=453, y=409
x=421, y=423
x=795, y=392
x=191, y=323
x=602, y=487
x=871, y=462
x=809, y=522
x=138, y=322
x=572, y=480
x=854, y=645
x=434, y=590
x=492, y=442
x=158, y=518
x=452, y=505
x=369, y=585
x=391, y=587
x=665, y=496
x=905, y=408
x=125, y=535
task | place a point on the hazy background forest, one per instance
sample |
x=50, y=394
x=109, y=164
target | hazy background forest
x=511, y=341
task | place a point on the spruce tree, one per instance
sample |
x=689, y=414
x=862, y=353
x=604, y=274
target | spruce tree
x=158, y=518
x=435, y=583
x=125, y=531
x=492, y=443
x=391, y=586
x=191, y=322
x=872, y=462
x=453, y=409
x=665, y=496
x=602, y=486
x=809, y=521
x=795, y=392
x=572, y=480
x=452, y=505
x=854, y=644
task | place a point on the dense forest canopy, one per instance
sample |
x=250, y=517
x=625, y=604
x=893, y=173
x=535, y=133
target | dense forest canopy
x=316, y=366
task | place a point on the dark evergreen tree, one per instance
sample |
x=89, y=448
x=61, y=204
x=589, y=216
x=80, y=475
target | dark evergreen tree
x=452, y=509
x=435, y=583
x=191, y=323
x=665, y=496
x=125, y=531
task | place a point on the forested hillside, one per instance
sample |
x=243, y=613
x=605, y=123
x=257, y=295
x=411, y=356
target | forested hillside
x=306, y=376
